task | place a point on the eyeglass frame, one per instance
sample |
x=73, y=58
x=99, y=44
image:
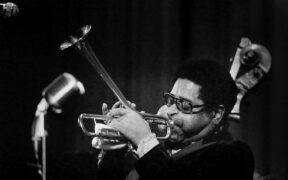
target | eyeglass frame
x=179, y=100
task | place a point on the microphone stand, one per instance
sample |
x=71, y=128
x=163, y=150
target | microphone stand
x=39, y=133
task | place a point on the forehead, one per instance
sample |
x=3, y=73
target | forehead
x=187, y=89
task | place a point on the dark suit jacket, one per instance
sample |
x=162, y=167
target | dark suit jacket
x=221, y=160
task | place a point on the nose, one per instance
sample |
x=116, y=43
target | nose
x=172, y=111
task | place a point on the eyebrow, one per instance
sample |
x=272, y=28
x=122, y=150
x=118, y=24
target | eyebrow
x=184, y=98
x=192, y=103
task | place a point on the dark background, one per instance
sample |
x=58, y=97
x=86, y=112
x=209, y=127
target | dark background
x=140, y=43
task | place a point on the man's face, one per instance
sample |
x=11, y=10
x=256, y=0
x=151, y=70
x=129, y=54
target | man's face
x=187, y=126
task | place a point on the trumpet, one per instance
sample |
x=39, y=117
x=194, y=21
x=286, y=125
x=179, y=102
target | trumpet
x=78, y=40
x=158, y=124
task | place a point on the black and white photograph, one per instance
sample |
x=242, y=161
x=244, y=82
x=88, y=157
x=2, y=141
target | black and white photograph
x=143, y=89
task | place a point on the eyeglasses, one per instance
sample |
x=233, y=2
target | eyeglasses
x=182, y=104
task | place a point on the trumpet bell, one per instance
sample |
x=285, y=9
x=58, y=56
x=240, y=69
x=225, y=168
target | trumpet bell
x=77, y=37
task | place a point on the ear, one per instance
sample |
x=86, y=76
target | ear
x=217, y=114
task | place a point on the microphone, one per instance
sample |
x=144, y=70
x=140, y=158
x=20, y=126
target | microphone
x=8, y=9
x=55, y=94
x=62, y=88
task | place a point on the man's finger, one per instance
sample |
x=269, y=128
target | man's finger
x=118, y=112
x=116, y=105
x=133, y=105
x=115, y=124
x=105, y=109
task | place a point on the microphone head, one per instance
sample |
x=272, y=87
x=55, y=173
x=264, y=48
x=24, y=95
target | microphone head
x=62, y=88
x=10, y=9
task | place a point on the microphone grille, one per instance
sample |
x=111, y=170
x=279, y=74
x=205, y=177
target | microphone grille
x=62, y=88
x=10, y=9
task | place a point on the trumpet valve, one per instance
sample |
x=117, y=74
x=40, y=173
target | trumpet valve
x=107, y=132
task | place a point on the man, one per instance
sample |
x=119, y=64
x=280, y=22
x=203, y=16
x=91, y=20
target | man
x=198, y=105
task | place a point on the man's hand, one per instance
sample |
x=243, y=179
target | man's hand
x=118, y=104
x=130, y=124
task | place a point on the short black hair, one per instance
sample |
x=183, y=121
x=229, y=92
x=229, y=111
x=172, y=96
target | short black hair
x=218, y=87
